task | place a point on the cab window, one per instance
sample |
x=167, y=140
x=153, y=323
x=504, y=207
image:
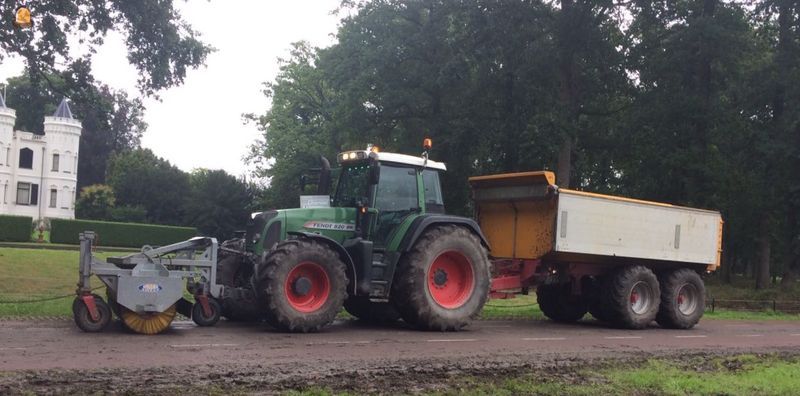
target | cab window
x=352, y=186
x=396, y=197
x=433, y=191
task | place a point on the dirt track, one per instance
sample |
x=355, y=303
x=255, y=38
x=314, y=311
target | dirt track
x=55, y=356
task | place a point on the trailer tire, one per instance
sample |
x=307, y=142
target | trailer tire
x=443, y=282
x=632, y=297
x=557, y=303
x=199, y=316
x=371, y=312
x=301, y=284
x=595, y=303
x=682, y=299
x=83, y=319
x=237, y=300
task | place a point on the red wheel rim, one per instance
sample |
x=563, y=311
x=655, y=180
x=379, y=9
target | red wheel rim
x=450, y=279
x=307, y=287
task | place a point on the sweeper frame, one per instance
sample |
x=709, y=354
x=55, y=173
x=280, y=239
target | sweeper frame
x=145, y=289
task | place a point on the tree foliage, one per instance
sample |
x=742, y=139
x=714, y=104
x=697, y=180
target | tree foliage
x=161, y=45
x=95, y=202
x=139, y=177
x=218, y=203
x=692, y=102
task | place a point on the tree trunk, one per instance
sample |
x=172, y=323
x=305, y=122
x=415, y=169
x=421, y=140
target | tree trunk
x=564, y=169
x=764, y=249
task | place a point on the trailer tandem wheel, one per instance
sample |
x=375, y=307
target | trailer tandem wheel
x=632, y=296
x=682, y=299
x=559, y=304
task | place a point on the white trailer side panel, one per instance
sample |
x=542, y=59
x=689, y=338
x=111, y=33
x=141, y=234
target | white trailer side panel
x=608, y=226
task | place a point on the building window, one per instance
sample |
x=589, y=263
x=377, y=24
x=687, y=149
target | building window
x=55, y=162
x=26, y=158
x=53, y=197
x=65, y=199
x=27, y=194
x=8, y=156
x=5, y=193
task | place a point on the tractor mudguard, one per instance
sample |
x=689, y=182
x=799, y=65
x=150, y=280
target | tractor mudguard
x=423, y=222
x=351, y=267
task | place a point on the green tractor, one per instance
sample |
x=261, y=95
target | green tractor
x=380, y=246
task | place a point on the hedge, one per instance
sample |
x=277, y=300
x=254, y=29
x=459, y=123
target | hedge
x=15, y=228
x=118, y=234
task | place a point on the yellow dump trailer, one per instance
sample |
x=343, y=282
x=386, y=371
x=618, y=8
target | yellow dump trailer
x=626, y=261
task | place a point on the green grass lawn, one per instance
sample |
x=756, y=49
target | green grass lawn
x=739, y=375
x=30, y=274
x=695, y=375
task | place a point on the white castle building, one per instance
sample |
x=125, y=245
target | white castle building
x=39, y=173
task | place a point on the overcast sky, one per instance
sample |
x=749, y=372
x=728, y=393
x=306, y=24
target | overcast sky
x=199, y=124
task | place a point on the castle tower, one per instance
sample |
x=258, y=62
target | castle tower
x=62, y=133
x=7, y=119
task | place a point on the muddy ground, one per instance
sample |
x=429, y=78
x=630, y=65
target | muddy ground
x=52, y=357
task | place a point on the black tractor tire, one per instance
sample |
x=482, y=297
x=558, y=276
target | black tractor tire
x=371, y=312
x=318, y=272
x=594, y=301
x=631, y=295
x=237, y=300
x=83, y=319
x=443, y=282
x=557, y=303
x=682, y=299
x=199, y=316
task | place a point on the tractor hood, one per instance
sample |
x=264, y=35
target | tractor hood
x=274, y=226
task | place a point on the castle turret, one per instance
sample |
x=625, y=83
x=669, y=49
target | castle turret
x=7, y=119
x=62, y=133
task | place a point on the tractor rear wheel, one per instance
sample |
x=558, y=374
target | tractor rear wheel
x=237, y=299
x=632, y=296
x=682, y=299
x=557, y=303
x=443, y=282
x=301, y=284
x=371, y=312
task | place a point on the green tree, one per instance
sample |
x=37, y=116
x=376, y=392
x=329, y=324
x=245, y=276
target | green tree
x=161, y=45
x=140, y=178
x=218, y=203
x=95, y=202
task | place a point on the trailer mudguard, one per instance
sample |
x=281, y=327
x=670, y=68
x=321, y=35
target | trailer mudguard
x=348, y=260
x=423, y=222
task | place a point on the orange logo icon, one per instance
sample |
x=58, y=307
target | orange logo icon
x=22, y=18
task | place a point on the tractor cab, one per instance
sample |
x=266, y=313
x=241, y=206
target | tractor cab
x=386, y=189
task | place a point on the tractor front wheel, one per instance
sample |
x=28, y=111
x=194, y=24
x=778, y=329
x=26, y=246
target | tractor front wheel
x=443, y=281
x=302, y=285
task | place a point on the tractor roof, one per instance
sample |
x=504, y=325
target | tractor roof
x=390, y=157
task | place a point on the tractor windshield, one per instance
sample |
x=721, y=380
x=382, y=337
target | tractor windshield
x=352, y=186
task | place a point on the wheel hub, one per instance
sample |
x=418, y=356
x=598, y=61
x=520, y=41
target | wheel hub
x=302, y=286
x=440, y=277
